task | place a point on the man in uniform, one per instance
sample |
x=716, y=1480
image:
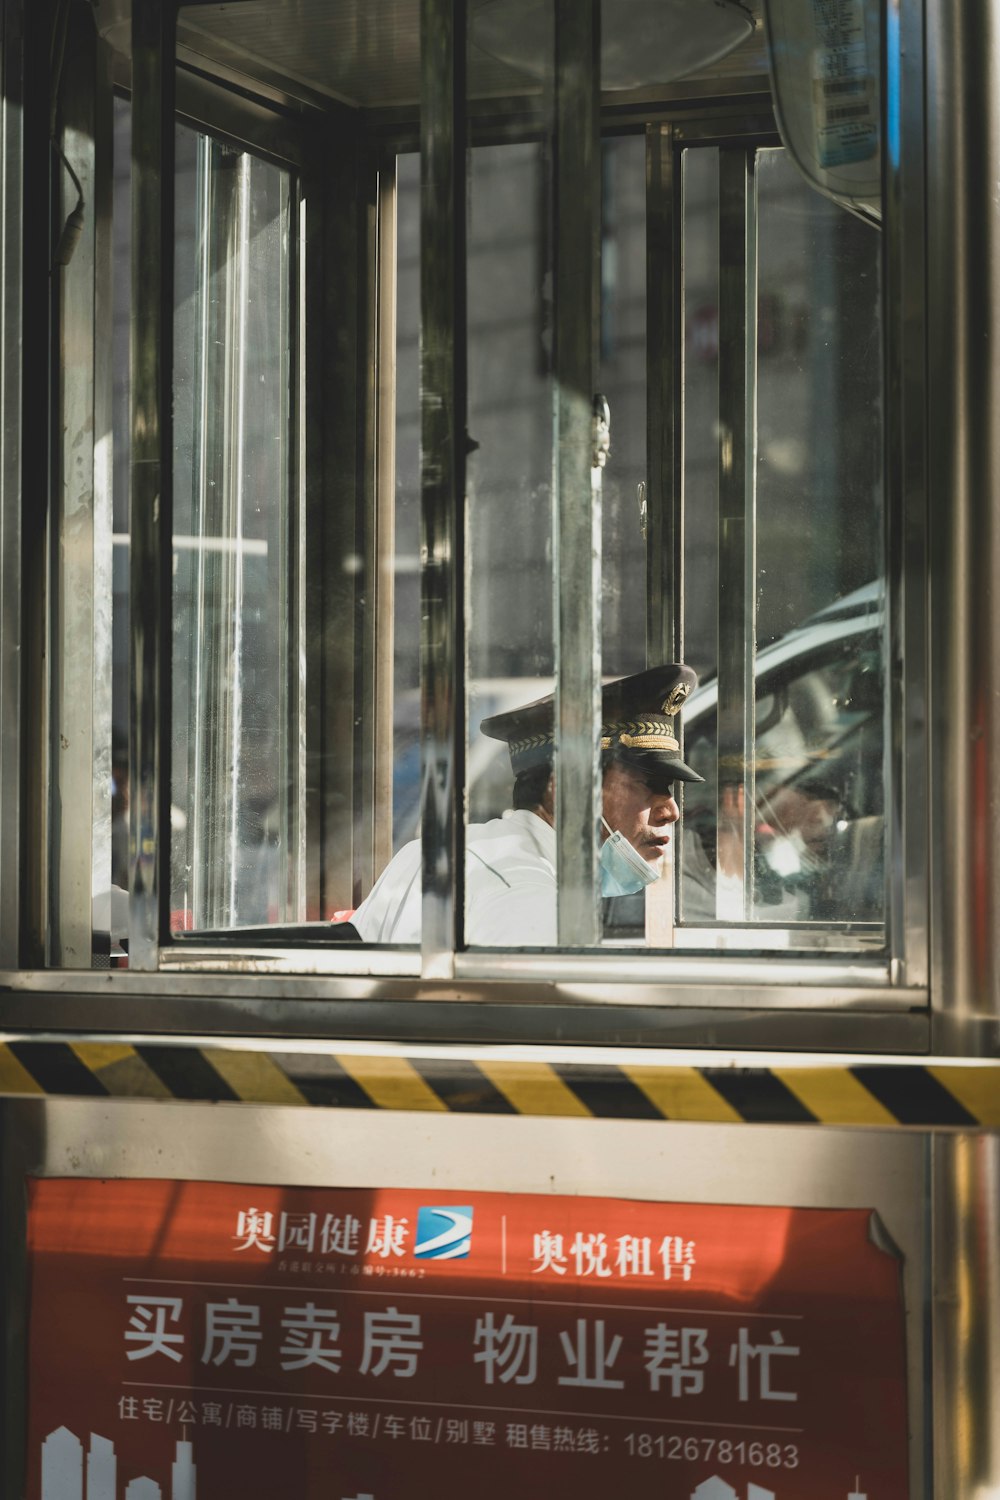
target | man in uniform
x=510, y=873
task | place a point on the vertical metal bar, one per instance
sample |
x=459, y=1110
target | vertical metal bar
x=385, y=506
x=70, y=584
x=373, y=777
x=234, y=596
x=577, y=482
x=104, y=126
x=81, y=593
x=737, y=483
x=442, y=476
x=153, y=29
x=664, y=398
x=664, y=449
x=310, y=548
x=11, y=336
x=903, y=300
x=32, y=93
x=201, y=897
x=312, y=470
x=335, y=590
x=291, y=578
x=966, y=1315
x=963, y=428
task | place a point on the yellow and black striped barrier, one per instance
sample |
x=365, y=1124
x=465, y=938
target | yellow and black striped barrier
x=496, y=1081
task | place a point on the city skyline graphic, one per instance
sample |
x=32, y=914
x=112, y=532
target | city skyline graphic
x=718, y=1489
x=70, y=1474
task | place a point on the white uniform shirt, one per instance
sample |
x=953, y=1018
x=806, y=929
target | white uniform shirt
x=510, y=887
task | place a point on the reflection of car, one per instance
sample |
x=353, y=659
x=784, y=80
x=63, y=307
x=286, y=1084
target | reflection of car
x=818, y=779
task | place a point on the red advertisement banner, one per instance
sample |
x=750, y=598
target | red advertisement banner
x=206, y=1339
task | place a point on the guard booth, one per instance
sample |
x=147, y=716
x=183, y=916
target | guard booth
x=371, y=368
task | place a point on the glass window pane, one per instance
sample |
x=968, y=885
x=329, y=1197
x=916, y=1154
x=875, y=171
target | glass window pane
x=234, y=832
x=819, y=756
x=819, y=401
x=700, y=250
x=700, y=231
x=819, y=778
x=816, y=621
x=507, y=519
x=793, y=835
x=510, y=472
x=509, y=537
x=297, y=775
x=622, y=379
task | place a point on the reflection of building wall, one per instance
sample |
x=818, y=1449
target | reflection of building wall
x=818, y=472
x=510, y=413
x=818, y=408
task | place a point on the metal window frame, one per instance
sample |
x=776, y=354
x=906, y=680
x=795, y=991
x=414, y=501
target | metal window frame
x=446, y=959
x=12, y=319
x=333, y=482
x=33, y=230
x=81, y=646
x=275, y=130
x=338, y=438
x=692, y=986
x=442, y=479
x=738, y=135
x=151, y=510
x=664, y=396
x=381, y=497
x=211, y=714
x=963, y=464
x=905, y=474
x=905, y=264
x=576, y=529
x=271, y=134
x=737, y=489
x=263, y=997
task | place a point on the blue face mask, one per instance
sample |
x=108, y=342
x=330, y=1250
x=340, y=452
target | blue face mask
x=623, y=870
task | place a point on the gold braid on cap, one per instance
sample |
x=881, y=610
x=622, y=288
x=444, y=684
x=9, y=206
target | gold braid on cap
x=634, y=734
x=639, y=734
x=533, y=742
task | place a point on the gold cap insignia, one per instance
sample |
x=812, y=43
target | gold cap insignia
x=676, y=697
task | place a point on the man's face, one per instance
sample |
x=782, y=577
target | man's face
x=643, y=814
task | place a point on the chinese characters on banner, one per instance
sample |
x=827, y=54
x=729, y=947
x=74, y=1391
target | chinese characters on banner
x=194, y=1339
